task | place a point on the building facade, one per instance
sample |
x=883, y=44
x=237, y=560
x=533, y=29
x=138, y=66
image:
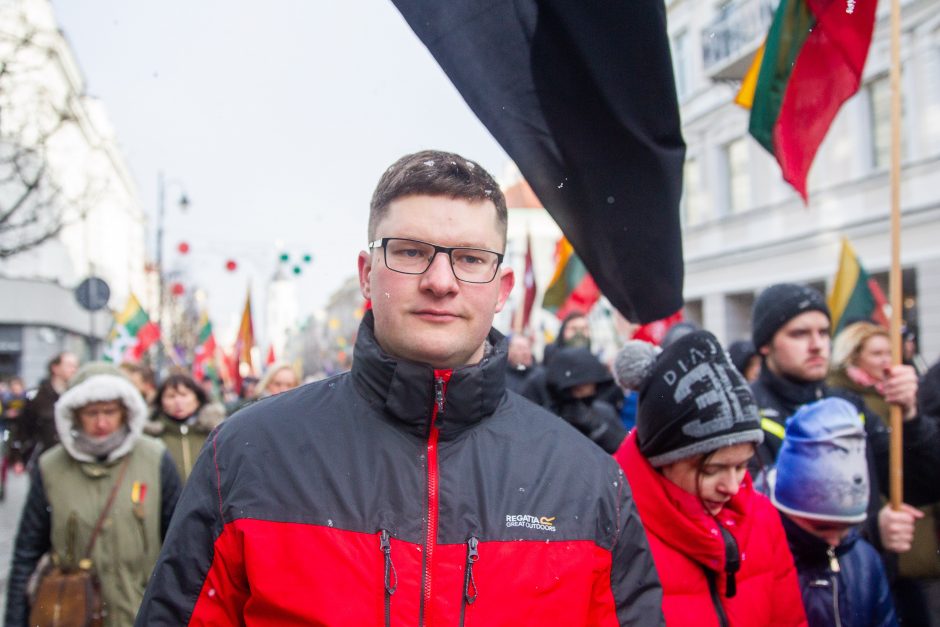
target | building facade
x=62, y=173
x=744, y=228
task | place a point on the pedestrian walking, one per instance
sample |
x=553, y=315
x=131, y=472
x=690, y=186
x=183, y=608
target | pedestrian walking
x=718, y=544
x=185, y=417
x=36, y=427
x=279, y=377
x=412, y=484
x=99, y=504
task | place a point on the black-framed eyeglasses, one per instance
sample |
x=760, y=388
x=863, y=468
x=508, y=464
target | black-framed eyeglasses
x=411, y=256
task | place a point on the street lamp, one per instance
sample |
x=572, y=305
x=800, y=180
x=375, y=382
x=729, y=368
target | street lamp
x=162, y=185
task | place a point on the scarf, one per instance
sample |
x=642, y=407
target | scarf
x=100, y=448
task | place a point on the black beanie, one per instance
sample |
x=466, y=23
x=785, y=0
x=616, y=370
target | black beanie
x=692, y=399
x=780, y=303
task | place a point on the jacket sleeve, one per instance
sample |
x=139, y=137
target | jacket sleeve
x=32, y=541
x=197, y=565
x=170, y=488
x=637, y=592
x=787, y=597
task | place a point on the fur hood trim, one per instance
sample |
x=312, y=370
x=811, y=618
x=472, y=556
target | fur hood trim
x=206, y=419
x=102, y=387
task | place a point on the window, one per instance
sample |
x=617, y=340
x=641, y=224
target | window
x=879, y=98
x=680, y=63
x=694, y=201
x=739, y=176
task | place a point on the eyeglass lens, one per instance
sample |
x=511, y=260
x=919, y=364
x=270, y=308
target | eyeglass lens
x=470, y=264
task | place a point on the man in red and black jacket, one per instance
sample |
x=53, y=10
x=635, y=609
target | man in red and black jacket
x=413, y=490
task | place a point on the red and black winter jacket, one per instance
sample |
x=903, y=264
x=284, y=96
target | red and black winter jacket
x=397, y=494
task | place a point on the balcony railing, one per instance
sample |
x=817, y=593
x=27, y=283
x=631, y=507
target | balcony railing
x=729, y=42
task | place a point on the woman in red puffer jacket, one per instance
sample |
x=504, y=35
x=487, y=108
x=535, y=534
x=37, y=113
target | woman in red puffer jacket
x=718, y=545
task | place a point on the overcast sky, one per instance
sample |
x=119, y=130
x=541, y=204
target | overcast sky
x=277, y=118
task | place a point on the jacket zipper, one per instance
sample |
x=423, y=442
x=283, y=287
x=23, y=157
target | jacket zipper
x=712, y=578
x=441, y=377
x=470, y=591
x=391, y=576
x=835, y=569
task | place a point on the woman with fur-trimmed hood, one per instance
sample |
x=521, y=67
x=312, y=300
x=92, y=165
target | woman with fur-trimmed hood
x=99, y=420
x=184, y=418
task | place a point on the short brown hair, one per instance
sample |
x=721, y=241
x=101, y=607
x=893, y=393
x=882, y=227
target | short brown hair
x=436, y=173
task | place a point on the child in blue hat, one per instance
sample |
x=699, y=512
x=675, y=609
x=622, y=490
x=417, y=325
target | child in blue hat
x=820, y=487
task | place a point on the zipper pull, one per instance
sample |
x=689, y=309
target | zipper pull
x=833, y=562
x=470, y=591
x=439, y=393
x=390, y=573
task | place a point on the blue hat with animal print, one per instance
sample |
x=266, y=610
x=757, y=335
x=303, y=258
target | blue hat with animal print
x=822, y=470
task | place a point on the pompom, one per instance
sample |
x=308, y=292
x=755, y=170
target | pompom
x=634, y=363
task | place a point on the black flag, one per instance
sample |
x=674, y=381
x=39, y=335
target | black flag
x=580, y=94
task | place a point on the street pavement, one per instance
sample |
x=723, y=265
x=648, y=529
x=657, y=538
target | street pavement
x=17, y=487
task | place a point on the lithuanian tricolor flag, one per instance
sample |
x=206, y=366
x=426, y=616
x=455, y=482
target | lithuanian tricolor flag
x=204, y=364
x=855, y=295
x=810, y=64
x=132, y=334
x=571, y=288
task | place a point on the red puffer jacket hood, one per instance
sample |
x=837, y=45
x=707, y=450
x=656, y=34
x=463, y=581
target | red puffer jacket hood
x=687, y=541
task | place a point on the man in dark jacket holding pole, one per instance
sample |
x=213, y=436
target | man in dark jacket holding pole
x=790, y=329
x=412, y=490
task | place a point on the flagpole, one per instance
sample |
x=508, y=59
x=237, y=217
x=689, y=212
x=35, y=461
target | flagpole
x=896, y=447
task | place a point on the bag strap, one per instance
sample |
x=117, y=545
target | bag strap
x=107, y=507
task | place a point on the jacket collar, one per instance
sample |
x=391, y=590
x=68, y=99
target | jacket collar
x=405, y=390
x=792, y=392
x=809, y=550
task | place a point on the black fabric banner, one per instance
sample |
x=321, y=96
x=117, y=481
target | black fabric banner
x=580, y=94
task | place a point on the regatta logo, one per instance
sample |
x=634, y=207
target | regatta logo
x=542, y=523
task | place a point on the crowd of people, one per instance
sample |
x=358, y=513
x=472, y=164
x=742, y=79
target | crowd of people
x=89, y=431
x=450, y=478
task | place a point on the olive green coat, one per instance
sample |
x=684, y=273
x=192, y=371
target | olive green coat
x=184, y=439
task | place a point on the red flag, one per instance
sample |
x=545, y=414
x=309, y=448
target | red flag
x=270, y=359
x=528, y=281
x=654, y=332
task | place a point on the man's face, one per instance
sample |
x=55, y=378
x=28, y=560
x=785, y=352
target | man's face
x=101, y=418
x=520, y=351
x=577, y=332
x=433, y=317
x=800, y=348
x=66, y=368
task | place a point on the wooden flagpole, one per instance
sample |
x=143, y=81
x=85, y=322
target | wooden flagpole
x=896, y=448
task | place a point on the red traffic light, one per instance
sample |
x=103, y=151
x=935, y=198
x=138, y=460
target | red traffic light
x=231, y=266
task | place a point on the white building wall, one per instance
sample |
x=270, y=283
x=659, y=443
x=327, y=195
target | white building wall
x=732, y=254
x=104, y=229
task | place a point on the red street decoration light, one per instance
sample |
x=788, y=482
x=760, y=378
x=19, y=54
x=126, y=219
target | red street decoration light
x=231, y=266
x=183, y=247
x=177, y=289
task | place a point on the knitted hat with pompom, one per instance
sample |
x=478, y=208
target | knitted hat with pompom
x=692, y=399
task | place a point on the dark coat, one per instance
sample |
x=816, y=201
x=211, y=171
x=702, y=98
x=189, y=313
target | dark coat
x=435, y=495
x=35, y=428
x=859, y=590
